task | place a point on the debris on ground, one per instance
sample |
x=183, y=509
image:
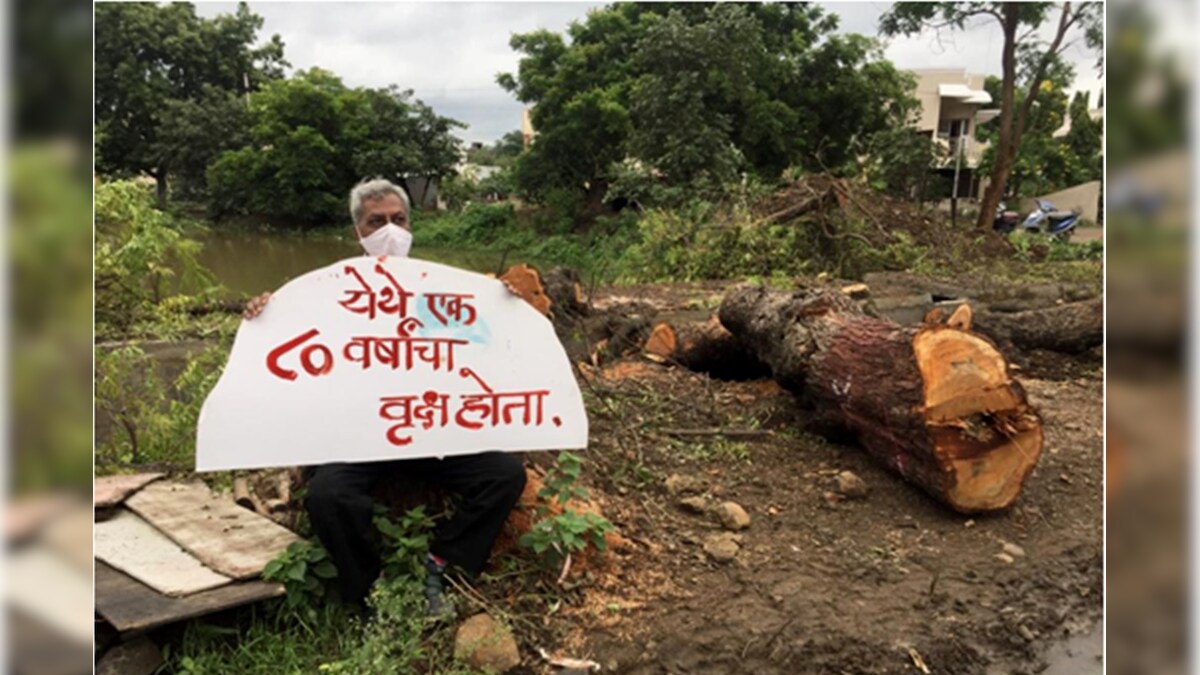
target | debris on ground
x=851, y=486
x=486, y=644
x=733, y=516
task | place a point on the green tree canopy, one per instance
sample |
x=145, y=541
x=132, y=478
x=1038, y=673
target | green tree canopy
x=1043, y=162
x=312, y=138
x=149, y=58
x=699, y=93
x=1027, y=61
x=502, y=153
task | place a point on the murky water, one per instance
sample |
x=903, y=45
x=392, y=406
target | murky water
x=248, y=263
x=1080, y=654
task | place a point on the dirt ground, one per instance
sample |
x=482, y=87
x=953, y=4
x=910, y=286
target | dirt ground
x=890, y=583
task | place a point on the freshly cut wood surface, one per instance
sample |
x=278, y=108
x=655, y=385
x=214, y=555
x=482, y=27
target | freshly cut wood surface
x=133, y=546
x=227, y=538
x=935, y=403
x=528, y=284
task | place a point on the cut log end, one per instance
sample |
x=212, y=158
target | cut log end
x=987, y=438
x=662, y=341
x=527, y=282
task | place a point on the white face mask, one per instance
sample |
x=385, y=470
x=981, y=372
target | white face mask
x=388, y=240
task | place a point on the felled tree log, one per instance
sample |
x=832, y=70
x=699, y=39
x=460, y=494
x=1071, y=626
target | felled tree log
x=1073, y=328
x=934, y=403
x=565, y=290
x=706, y=347
x=527, y=282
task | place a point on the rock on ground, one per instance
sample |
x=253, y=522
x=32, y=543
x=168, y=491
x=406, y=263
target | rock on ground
x=733, y=516
x=137, y=657
x=486, y=645
x=1014, y=550
x=850, y=485
x=721, y=547
x=693, y=504
x=677, y=484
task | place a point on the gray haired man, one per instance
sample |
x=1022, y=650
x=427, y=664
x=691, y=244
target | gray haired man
x=339, y=501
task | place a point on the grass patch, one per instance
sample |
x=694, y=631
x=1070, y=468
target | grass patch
x=270, y=640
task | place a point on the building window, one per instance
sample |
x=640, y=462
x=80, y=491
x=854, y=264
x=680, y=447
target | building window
x=952, y=128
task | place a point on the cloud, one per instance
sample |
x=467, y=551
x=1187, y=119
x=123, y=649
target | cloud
x=450, y=53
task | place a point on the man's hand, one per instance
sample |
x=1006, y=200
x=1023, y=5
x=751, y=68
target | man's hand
x=255, y=306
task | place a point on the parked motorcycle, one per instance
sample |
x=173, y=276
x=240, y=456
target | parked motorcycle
x=1005, y=220
x=1047, y=220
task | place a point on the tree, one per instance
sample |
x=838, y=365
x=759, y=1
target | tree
x=312, y=138
x=502, y=153
x=1045, y=162
x=149, y=55
x=1084, y=137
x=698, y=94
x=1020, y=23
x=194, y=132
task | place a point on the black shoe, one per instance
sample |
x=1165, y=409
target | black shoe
x=439, y=604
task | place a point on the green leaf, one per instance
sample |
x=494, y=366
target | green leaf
x=297, y=570
x=271, y=571
x=325, y=570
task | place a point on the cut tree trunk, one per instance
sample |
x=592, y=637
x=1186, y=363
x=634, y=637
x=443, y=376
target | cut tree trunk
x=565, y=290
x=934, y=403
x=706, y=347
x=527, y=283
x=1073, y=328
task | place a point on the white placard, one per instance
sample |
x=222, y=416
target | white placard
x=390, y=358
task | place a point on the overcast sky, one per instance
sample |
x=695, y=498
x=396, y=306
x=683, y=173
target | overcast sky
x=449, y=53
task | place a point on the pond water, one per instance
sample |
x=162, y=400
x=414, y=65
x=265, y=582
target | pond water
x=248, y=263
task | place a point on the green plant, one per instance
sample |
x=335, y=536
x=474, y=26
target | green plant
x=148, y=421
x=304, y=569
x=555, y=536
x=405, y=543
x=142, y=258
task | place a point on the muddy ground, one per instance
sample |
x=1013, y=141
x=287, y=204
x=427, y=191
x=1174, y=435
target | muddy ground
x=890, y=583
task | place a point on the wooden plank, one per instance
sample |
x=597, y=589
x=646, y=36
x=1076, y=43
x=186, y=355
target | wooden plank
x=112, y=490
x=131, y=606
x=130, y=544
x=227, y=538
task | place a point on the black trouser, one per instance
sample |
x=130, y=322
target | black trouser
x=341, y=508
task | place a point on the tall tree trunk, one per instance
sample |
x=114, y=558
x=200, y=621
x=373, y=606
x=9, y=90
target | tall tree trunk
x=160, y=181
x=1003, y=163
x=1012, y=128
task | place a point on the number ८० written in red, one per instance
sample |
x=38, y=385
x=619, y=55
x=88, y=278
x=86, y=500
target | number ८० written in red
x=308, y=357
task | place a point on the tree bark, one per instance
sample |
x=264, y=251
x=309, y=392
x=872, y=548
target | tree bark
x=160, y=183
x=1013, y=127
x=1072, y=328
x=565, y=290
x=934, y=403
x=706, y=347
x=999, y=175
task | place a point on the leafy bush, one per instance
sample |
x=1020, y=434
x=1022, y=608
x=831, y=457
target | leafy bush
x=554, y=537
x=304, y=569
x=406, y=543
x=142, y=257
x=702, y=242
x=152, y=423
